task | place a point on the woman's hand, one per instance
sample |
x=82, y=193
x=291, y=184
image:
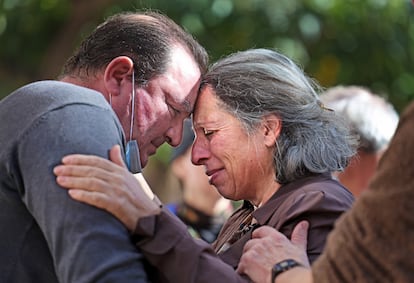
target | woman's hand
x=107, y=185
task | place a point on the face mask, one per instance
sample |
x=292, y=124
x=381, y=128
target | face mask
x=132, y=157
x=132, y=152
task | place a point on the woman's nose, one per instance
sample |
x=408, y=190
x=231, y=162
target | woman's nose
x=199, y=152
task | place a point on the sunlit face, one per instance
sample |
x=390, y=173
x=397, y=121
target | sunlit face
x=162, y=105
x=237, y=164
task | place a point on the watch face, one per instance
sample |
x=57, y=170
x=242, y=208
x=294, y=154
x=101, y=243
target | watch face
x=283, y=266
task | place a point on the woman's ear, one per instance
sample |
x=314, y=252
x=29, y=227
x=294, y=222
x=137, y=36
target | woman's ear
x=118, y=70
x=272, y=126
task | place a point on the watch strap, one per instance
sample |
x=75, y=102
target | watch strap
x=282, y=266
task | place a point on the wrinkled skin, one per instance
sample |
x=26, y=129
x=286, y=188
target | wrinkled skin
x=107, y=185
x=268, y=247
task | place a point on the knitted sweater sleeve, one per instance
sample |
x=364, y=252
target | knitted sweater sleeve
x=373, y=242
x=86, y=244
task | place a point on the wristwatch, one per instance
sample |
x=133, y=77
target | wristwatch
x=283, y=266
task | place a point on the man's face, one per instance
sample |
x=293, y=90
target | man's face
x=162, y=105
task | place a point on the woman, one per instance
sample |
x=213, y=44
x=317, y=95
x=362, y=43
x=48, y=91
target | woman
x=202, y=208
x=263, y=137
x=373, y=242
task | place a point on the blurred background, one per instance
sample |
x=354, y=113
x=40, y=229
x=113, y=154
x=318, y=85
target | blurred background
x=361, y=42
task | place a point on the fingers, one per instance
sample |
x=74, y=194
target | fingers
x=254, y=262
x=82, y=183
x=249, y=244
x=116, y=157
x=262, y=231
x=92, y=198
x=269, y=246
x=90, y=167
x=82, y=171
x=83, y=159
x=94, y=161
x=247, y=257
x=300, y=235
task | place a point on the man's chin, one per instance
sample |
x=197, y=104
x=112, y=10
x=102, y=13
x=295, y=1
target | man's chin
x=144, y=156
x=144, y=161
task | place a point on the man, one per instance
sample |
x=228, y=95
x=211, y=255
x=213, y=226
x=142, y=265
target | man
x=233, y=132
x=148, y=69
x=372, y=242
x=374, y=120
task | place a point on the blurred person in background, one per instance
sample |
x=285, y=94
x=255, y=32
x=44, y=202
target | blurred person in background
x=202, y=208
x=372, y=242
x=263, y=137
x=373, y=119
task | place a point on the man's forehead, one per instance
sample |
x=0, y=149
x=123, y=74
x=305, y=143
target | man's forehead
x=191, y=99
x=185, y=74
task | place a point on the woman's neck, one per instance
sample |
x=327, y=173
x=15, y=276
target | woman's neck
x=267, y=191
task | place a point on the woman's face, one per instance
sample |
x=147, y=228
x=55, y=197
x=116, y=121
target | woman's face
x=238, y=165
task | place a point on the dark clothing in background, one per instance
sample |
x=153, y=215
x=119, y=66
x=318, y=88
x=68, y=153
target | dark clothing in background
x=374, y=242
x=200, y=225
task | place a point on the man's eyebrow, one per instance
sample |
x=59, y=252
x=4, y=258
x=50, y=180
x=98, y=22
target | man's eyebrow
x=185, y=104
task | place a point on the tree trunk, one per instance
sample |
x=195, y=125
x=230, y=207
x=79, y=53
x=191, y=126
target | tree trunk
x=82, y=12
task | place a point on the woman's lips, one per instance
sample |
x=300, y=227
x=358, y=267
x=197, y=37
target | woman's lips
x=213, y=175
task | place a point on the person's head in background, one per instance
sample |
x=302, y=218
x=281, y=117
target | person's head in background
x=166, y=63
x=373, y=119
x=201, y=207
x=259, y=125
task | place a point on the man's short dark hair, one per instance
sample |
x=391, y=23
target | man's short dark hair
x=146, y=37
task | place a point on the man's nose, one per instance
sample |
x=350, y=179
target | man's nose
x=174, y=134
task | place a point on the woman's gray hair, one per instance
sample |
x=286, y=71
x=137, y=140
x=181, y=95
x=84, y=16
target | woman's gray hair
x=254, y=83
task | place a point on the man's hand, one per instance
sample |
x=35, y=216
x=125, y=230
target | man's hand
x=268, y=247
x=107, y=185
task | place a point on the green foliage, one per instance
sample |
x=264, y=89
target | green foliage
x=26, y=30
x=29, y=26
x=363, y=42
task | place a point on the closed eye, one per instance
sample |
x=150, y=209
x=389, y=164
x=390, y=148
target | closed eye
x=174, y=110
x=207, y=132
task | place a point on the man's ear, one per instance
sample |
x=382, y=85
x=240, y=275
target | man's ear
x=272, y=126
x=119, y=69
